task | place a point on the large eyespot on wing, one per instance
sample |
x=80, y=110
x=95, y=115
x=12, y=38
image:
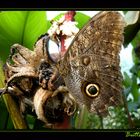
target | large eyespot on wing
x=92, y=90
x=94, y=56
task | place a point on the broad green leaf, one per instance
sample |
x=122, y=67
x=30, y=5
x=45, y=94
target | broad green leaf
x=127, y=80
x=11, y=30
x=132, y=19
x=82, y=19
x=34, y=26
x=23, y=27
x=136, y=40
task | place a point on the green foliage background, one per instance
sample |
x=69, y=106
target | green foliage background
x=24, y=27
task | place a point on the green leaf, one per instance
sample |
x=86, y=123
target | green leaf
x=2, y=78
x=34, y=26
x=135, y=88
x=125, y=12
x=3, y=114
x=3, y=110
x=30, y=120
x=22, y=27
x=137, y=123
x=132, y=19
x=11, y=28
x=9, y=124
x=132, y=106
x=81, y=118
x=58, y=16
x=127, y=80
x=14, y=111
x=82, y=19
x=136, y=41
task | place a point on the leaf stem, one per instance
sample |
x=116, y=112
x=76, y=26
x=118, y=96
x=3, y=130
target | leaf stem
x=131, y=123
x=16, y=116
x=13, y=109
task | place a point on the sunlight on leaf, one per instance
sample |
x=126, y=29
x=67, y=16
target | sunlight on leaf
x=23, y=27
x=35, y=25
x=82, y=19
x=132, y=19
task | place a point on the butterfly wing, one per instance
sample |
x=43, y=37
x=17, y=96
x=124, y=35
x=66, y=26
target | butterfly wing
x=92, y=63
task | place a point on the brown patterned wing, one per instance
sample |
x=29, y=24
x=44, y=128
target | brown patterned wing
x=91, y=68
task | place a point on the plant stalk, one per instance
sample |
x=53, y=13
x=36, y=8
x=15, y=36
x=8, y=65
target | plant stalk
x=13, y=109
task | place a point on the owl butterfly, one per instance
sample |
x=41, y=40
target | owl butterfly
x=88, y=74
x=90, y=67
